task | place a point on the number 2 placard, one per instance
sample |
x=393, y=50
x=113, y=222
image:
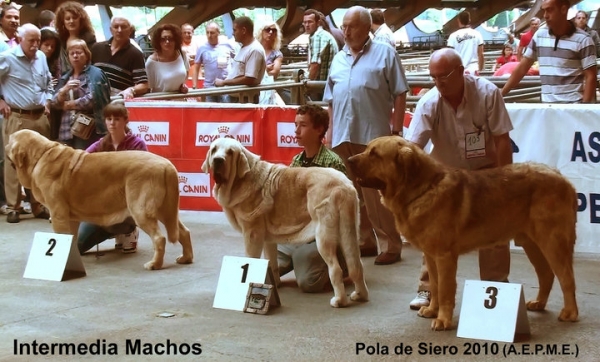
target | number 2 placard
x=236, y=275
x=53, y=257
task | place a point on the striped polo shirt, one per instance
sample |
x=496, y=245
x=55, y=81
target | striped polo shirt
x=562, y=62
x=124, y=69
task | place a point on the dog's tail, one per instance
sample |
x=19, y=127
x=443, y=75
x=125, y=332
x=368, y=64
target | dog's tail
x=171, y=204
x=350, y=231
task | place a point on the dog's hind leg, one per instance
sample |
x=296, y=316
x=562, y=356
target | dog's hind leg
x=150, y=227
x=349, y=230
x=270, y=250
x=542, y=269
x=326, y=244
x=186, y=243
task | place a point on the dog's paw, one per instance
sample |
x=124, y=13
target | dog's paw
x=427, y=312
x=568, y=315
x=151, y=265
x=359, y=297
x=441, y=325
x=184, y=260
x=536, y=305
x=338, y=302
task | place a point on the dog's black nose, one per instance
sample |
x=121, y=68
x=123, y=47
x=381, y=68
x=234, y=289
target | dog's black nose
x=218, y=162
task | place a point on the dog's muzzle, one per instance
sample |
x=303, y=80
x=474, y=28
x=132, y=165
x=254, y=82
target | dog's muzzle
x=218, y=166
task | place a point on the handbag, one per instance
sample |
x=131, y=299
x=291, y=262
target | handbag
x=82, y=125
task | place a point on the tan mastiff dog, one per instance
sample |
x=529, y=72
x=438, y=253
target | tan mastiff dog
x=272, y=204
x=446, y=212
x=103, y=188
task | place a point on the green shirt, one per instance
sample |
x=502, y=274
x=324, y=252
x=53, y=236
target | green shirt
x=324, y=158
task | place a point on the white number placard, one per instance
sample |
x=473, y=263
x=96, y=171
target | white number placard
x=492, y=311
x=53, y=257
x=236, y=275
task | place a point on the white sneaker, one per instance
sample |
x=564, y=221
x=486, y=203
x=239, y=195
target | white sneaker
x=128, y=241
x=4, y=209
x=421, y=300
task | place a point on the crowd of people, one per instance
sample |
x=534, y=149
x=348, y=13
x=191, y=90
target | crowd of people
x=50, y=74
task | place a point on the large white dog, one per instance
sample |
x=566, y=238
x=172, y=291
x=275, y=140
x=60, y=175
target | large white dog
x=272, y=204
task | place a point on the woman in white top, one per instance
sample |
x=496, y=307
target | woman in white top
x=167, y=69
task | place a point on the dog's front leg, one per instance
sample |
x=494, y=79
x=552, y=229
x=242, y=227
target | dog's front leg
x=271, y=255
x=446, y=287
x=61, y=223
x=431, y=311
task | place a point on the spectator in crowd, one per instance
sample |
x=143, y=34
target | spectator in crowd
x=514, y=44
x=249, y=65
x=10, y=18
x=311, y=271
x=381, y=32
x=119, y=138
x=73, y=22
x=123, y=63
x=581, y=21
x=215, y=57
x=507, y=69
x=5, y=22
x=269, y=36
x=468, y=42
x=46, y=19
x=167, y=67
x=506, y=57
x=189, y=44
x=329, y=27
x=25, y=104
x=534, y=25
x=566, y=55
x=50, y=46
x=322, y=47
x=366, y=87
x=470, y=106
x=83, y=88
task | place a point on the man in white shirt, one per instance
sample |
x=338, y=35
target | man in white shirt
x=468, y=42
x=381, y=32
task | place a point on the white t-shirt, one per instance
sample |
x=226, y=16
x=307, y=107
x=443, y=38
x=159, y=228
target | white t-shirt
x=466, y=41
x=250, y=61
x=166, y=76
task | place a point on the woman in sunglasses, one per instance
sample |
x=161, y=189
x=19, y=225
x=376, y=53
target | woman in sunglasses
x=269, y=36
x=167, y=67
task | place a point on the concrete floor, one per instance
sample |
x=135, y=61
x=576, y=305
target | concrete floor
x=118, y=301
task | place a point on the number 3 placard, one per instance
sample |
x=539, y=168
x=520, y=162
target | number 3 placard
x=53, y=257
x=236, y=275
x=492, y=311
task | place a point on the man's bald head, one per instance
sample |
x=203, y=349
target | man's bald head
x=446, y=57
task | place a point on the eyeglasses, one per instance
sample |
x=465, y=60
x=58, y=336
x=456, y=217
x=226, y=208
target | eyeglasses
x=442, y=78
x=270, y=30
x=165, y=39
x=76, y=53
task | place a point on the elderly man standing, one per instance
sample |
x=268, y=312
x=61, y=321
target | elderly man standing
x=189, y=46
x=249, y=64
x=381, y=31
x=26, y=85
x=123, y=63
x=466, y=120
x=215, y=57
x=366, y=86
x=567, y=58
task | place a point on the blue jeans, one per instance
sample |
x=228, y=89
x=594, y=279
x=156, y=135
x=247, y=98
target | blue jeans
x=90, y=235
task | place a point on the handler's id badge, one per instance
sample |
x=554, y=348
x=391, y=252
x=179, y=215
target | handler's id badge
x=475, y=144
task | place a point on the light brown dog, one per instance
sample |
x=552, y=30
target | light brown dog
x=102, y=188
x=447, y=212
x=272, y=204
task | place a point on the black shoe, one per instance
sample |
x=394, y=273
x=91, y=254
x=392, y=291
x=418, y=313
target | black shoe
x=13, y=217
x=44, y=214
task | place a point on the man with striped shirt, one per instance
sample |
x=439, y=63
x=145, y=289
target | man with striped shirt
x=123, y=63
x=566, y=55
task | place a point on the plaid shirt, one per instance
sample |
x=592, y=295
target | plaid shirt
x=324, y=158
x=322, y=47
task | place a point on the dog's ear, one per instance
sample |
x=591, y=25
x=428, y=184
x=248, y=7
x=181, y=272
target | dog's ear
x=16, y=156
x=206, y=164
x=243, y=166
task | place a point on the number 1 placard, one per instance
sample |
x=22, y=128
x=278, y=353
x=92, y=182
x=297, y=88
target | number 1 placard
x=53, y=257
x=236, y=275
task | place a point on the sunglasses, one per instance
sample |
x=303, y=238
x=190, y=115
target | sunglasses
x=270, y=30
x=165, y=39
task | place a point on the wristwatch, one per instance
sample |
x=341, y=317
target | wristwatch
x=397, y=133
